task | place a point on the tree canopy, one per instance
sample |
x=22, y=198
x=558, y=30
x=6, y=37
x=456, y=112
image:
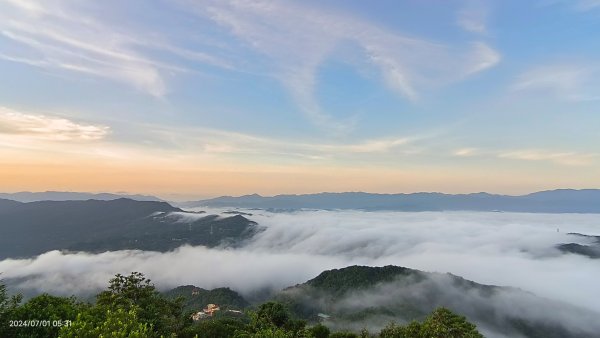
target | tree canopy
x=132, y=307
x=442, y=323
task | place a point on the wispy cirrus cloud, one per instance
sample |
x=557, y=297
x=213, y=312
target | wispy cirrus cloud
x=466, y=152
x=220, y=142
x=57, y=35
x=50, y=133
x=70, y=36
x=472, y=18
x=482, y=57
x=567, y=158
x=48, y=127
x=571, y=82
x=298, y=39
x=563, y=158
x=289, y=41
x=46, y=139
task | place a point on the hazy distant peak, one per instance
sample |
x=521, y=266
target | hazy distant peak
x=27, y=196
x=552, y=201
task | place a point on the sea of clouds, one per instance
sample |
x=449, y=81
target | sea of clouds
x=509, y=249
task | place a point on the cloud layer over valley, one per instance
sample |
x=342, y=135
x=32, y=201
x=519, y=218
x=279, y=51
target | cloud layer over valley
x=508, y=249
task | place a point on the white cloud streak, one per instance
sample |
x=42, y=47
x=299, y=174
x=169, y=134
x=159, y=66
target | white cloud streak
x=563, y=158
x=294, y=40
x=564, y=81
x=23, y=132
x=298, y=39
x=472, y=18
x=466, y=152
x=567, y=158
x=483, y=57
x=48, y=127
x=224, y=142
x=68, y=36
x=65, y=39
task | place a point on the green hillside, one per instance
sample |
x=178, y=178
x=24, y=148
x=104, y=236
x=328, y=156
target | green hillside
x=195, y=298
x=352, y=278
x=357, y=301
x=33, y=228
x=360, y=296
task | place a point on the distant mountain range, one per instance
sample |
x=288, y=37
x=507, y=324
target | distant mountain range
x=26, y=196
x=32, y=228
x=359, y=297
x=553, y=201
x=28, y=229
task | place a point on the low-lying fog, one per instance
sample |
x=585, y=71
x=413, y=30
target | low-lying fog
x=509, y=249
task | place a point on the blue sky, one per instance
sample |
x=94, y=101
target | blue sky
x=202, y=98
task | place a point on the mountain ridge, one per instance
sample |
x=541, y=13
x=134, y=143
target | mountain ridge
x=32, y=228
x=357, y=296
x=28, y=196
x=548, y=201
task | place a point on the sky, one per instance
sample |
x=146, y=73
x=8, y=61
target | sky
x=188, y=99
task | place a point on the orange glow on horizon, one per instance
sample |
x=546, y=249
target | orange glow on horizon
x=203, y=182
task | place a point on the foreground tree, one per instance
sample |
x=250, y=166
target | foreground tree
x=117, y=324
x=441, y=323
x=41, y=316
x=343, y=334
x=271, y=314
x=444, y=323
x=214, y=328
x=7, y=308
x=273, y=317
x=266, y=332
x=130, y=307
x=136, y=292
x=319, y=331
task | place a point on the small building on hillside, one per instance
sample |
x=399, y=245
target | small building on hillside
x=211, y=309
x=208, y=311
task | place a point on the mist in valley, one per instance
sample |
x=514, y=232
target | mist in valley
x=505, y=249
